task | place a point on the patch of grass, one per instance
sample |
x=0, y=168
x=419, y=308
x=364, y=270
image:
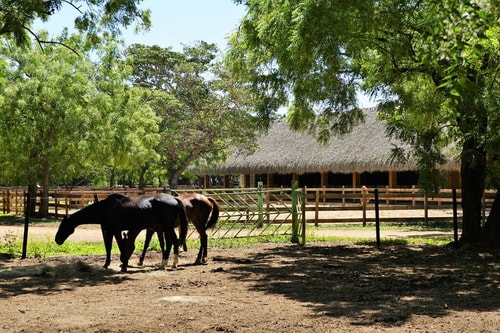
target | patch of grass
x=47, y=248
x=12, y=246
x=311, y=238
x=413, y=226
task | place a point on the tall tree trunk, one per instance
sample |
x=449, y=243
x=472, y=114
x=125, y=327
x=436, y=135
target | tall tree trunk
x=142, y=181
x=44, y=200
x=112, y=177
x=473, y=168
x=491, y=229
x=173, y=182
x=174, y=177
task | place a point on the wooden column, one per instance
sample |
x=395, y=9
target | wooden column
x=393, y=179
x=225, y=181
x=243, y=180
x=251, y=182
x=295, y=178
x=324, y=179
x=270, y=179
x=206, y=181
x=356, y=180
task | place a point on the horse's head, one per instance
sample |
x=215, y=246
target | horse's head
x=66, y=228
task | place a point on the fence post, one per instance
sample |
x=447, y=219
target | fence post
x=316, y=206
x=295, y=220
x=260, y=204
x=377, y=217
x=27, y=213
x=426, y=208
x=455, y=216
x=303, y=207
x=364, y=201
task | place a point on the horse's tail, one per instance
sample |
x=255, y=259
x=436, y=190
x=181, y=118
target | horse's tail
x=215, y=213
x=183, y=223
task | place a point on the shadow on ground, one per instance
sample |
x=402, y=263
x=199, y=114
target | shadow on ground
x=50, y=277
x=376, y=285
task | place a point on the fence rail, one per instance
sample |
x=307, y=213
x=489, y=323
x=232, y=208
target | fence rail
x=243, y=204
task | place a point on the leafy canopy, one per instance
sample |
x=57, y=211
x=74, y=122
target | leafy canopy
x=91, y=17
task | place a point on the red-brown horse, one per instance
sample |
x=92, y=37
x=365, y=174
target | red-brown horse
x=203, y=213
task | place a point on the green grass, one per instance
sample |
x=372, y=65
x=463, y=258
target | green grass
x=11, y=244
x=311, y=238
x=48, y=248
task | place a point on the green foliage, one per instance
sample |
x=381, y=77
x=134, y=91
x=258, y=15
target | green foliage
x=91, y=17
x=200, y=105
x=66, y=117
x=45, y=116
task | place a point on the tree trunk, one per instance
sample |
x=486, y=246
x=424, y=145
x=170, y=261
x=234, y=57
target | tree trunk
x=112, y=177
x=44, y=200
x=491, y=229
x=473, y=167
x=174, y=178
x=173, y=182
x=142, y=182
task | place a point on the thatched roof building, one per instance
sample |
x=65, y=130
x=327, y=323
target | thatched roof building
x=281, y=151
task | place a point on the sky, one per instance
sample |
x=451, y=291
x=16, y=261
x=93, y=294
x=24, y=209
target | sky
x=176, y=23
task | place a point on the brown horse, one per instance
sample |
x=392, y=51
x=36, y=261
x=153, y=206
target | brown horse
x=203, y=213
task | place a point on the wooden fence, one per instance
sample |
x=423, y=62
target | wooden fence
x=317, y=201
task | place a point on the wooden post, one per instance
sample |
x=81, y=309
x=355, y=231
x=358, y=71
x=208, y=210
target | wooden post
x=377, y=218
x=295, y=221
x=260, y=204
x=356, y=179
x=303, y=216
x=426, y=209
x=324, y=179
x=27, y=213
x=455, y=216
x=364, y=201
x=316, y=207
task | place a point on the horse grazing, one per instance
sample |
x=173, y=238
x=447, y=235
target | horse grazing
x=118, y=212
x=203, y=213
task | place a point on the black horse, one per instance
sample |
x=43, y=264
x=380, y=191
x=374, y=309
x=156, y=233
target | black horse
x=203, y=213
x=118, y=212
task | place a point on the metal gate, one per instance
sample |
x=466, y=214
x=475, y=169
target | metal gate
x=259, y=212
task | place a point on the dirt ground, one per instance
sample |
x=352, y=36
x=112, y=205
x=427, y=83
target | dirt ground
x=320, y=287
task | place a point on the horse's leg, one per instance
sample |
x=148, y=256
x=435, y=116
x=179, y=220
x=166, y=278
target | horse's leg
x=164, y=257
x=149, y=235
x=124, y=255
x=108, y=241
x=175, y=241
x=171, y=239
x=202, y=253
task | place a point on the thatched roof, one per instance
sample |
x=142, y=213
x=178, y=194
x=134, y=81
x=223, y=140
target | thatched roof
x=283, y=151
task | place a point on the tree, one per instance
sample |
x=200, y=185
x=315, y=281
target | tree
x=16, y=17
x=44, y=118
x=62, y=117
x=128, y=134
x=203, y=111
x=432, y=64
